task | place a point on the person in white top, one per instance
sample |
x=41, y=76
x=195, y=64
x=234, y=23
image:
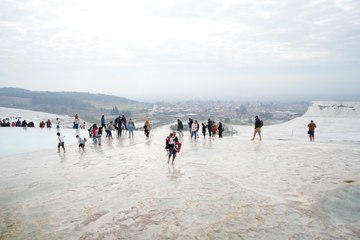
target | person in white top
x=81, y=143
x=194, y=129
x=61, y=142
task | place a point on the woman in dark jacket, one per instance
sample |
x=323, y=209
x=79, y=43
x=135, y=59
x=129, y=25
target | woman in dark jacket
x=220, y=129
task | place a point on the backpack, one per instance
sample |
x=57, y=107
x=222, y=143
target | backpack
x=261, y=123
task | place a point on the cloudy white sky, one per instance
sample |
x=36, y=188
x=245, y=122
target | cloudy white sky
x=174, y=50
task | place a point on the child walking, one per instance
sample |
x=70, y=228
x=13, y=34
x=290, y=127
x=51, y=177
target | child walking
x=61, y=142
x=81, y=143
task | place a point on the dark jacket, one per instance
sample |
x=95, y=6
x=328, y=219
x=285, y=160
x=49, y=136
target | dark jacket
x=209, y=125
x=220, y=127
x=180, y=126
x=204, y=127
x=258, y=123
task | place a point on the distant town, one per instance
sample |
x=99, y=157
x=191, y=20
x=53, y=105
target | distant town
x=229, y=112
x=90, y=107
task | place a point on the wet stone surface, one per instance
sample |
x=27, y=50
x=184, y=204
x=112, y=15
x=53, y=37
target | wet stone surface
x=219, y=189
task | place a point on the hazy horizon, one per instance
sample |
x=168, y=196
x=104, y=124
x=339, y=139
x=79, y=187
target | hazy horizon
x=214, y=99
x=181, y=50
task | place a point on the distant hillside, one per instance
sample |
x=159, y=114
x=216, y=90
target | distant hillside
x=56, y=102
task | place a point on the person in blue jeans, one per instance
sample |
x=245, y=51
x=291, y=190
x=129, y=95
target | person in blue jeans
x=131, y=128
x=194, y=129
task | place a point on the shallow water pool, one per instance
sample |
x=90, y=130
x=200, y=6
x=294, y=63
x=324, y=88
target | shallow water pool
x=17, y=140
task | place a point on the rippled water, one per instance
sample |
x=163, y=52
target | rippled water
x=343, y=205
x=220, y=189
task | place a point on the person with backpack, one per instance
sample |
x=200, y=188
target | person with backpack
x=258, y=126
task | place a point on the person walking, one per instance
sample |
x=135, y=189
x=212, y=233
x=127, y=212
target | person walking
x=94, y=132
x=61, y=142
x=258, y=126
x=102, y=121
x=220, y=129
x=99, y=135
x=198, y=128
x=108, y=129
x=190, y=122
x=118, y=126
x=214, y=127
x=194, y=129
x=203, y=128
x=170, y=146
x=209, y=125
x=180, y=127
x=131, y=128
x=123, y=121
x=81, y=142
x=311, y=130
x=147, y=127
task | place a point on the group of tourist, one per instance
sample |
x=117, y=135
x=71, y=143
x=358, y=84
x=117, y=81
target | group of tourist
x=43, y=124
x=194, y=128
x=18, y=123
x=172, y=143
x=120, y=124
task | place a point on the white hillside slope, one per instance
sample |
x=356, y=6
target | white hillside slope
x=336, y=121
x=347, y=110
x=283, y=187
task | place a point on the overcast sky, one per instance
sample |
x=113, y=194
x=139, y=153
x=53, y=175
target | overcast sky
x=177, y=50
